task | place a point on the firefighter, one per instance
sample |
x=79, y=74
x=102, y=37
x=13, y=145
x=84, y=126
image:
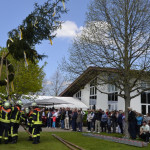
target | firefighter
x=15, y=120
x=5, y=121
x=37, y=123
x=29, y=122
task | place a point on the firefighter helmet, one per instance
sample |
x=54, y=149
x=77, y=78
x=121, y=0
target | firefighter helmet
x=6, y=104
x=19, y=102
x=27, y=110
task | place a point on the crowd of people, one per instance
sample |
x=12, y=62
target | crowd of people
x=65, y=118
x=99, y=121
x=11, y=116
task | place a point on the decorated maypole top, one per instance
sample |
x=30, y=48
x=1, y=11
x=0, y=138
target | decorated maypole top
x=39, y=25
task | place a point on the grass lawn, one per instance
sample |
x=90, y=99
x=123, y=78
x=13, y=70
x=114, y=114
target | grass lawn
x=50, y=143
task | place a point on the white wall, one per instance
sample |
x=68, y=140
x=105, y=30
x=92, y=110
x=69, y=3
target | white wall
x=85, y=94
x=102, y=99
x=121, y=103
x=135, y=103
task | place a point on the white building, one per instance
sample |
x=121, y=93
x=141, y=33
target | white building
x=83, y=88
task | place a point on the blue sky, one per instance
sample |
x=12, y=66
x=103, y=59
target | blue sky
x=12, y=12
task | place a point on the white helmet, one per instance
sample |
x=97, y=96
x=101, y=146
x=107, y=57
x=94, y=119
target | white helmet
x=34, y=104
x=19, y=102
x=6, y=104
x=27, y=110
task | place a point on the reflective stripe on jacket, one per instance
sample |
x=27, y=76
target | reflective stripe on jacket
x=5, y=115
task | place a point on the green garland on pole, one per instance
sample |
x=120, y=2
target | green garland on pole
x=11, y=72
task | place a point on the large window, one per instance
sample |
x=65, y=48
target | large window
x=145, y=98
x=145, y=102
x=113, y=96
x=145, y=84
x=78, y=95
x=112, y=88
x=93, y=92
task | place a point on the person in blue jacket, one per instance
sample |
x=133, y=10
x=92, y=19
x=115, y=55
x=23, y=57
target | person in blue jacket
x=139, y=119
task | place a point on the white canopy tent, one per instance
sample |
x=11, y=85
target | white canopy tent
x=74, y=103
x=57, y=102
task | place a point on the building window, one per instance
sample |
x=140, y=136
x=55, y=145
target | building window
x=145, y=85
x=145, y=98
x=78, y=95
x=112, y=88
x=145, y=102
x=113, y=96
x=93, y=92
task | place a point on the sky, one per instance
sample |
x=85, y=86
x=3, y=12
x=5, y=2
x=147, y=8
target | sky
x=12, y=12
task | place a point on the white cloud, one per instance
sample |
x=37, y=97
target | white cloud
x=69, y=30
x=48, y=83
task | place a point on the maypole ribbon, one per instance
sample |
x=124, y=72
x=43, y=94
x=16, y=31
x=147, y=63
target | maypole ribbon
x=21, y=35
x=63, y=4
x=54, y=11
x=35, y=23
x=51, y=41
x=26, y=61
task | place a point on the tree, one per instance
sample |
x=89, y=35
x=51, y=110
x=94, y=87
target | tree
x=116, y=35
x=27, y=80
x=39, y=25
x=55, y=85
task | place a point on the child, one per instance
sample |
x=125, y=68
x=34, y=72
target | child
x=109, y=124
x=54, y=122
x=79, y=121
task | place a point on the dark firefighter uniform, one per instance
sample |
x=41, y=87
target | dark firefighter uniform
x=5, y=123
x=15, y=120
x=30, y=124
x=37, y=123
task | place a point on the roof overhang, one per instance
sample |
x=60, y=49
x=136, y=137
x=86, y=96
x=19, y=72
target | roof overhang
x=83, y=79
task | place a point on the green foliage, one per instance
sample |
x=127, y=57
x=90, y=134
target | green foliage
x=27, y=79
x=37, y=26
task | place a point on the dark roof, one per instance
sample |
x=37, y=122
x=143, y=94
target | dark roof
x=83, y=79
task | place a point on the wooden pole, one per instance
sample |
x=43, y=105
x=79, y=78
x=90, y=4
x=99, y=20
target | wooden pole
x=7, y=80
x=68, y=144
x=26, y=130
x=1, y=65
